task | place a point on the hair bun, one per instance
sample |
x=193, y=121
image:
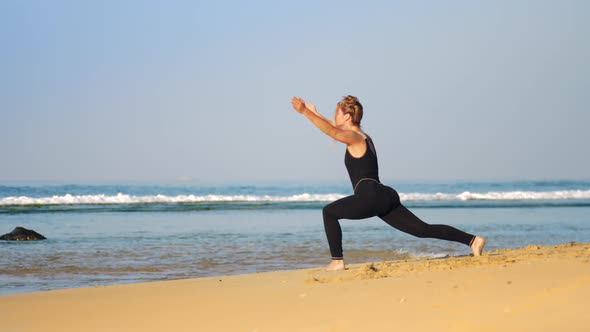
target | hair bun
x=351, y=105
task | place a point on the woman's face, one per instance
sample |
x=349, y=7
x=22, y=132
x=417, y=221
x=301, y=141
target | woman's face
x=339, y=117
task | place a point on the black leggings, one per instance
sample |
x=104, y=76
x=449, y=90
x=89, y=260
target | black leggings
x=374, y=199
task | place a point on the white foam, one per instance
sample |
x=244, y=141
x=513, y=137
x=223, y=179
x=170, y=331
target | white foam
x=121, y=198
x=130, y=199
x=500, y=196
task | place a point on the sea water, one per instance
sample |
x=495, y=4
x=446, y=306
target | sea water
x=114, y=234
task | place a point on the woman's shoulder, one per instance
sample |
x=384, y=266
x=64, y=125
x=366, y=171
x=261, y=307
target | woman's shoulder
x=363, y=135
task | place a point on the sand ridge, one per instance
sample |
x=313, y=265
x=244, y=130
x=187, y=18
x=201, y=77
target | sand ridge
x=377, y=270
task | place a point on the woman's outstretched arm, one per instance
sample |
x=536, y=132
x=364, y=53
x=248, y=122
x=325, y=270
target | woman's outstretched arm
x=345, y=136
x=311, y=107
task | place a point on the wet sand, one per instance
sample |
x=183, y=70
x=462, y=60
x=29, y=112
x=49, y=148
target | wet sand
x=533, y=288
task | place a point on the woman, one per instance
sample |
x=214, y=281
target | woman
x=370, y=198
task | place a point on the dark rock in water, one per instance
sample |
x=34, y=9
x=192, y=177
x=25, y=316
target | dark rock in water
x=22, y=234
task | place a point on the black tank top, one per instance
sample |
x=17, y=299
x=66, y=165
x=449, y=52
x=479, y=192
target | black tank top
x=365, y=167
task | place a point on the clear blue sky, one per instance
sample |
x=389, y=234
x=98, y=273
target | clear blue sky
x=160, y=91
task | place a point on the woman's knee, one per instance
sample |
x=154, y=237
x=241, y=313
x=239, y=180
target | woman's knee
x=328, y=211
x=334, y=211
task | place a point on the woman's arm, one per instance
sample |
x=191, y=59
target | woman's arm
x=345, y=136
x=311, y=107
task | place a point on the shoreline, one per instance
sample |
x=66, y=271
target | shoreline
x=529, y=288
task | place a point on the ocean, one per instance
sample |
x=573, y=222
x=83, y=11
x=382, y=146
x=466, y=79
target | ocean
x=115, y=234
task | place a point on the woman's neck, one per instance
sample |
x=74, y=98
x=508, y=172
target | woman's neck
x=350, y=126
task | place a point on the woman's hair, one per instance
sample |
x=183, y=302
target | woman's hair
x=351, y=105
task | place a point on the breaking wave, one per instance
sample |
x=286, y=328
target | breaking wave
x=121, y=199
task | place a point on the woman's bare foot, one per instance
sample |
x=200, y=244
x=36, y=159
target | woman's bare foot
x=335, y=265
x=477, y=245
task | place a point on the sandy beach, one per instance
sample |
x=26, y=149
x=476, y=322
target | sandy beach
x=534, y=288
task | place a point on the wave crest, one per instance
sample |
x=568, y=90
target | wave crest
x=121, y=198
x=130, y=199
x=501, y=196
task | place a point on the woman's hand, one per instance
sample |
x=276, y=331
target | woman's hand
x=311, y=107
x=298, y=104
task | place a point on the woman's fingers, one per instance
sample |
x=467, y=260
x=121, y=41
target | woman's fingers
x=298, y=104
